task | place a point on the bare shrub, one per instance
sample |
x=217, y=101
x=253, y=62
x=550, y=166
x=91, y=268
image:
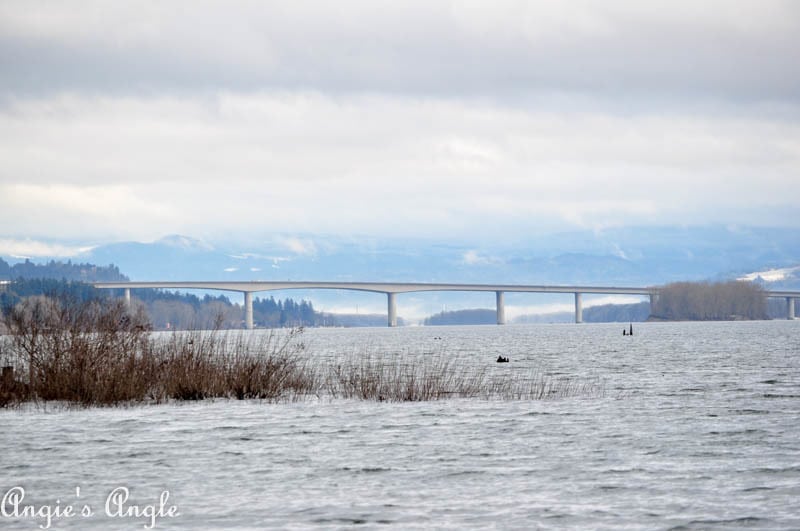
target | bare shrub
x=100, y=353
x=89, y=353
x=214, y=364
x=705, y=301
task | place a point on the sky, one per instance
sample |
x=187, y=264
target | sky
x=131, y=120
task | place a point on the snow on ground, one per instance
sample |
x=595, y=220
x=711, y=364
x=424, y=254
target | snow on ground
x=771, y=275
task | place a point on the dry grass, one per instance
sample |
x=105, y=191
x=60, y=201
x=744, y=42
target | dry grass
x=400, y=380
x=533, y=385
x=216, y=364
x=98, y=354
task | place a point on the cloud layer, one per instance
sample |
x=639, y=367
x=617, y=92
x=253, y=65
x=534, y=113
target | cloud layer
x=468, y=120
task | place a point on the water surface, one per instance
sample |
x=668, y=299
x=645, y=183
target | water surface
x=698, y=427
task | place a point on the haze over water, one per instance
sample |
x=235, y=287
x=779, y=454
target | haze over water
x=697, y=427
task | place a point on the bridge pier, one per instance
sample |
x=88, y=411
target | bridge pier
x=128, y=298
x=392, y=308
x=248, y=310
x=578, y=308
x=501, y=308
x=790, y=308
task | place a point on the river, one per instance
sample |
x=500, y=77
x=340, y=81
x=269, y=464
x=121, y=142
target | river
x=696, y=426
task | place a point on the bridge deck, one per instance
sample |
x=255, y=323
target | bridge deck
x=391, y=289
x=377, y=287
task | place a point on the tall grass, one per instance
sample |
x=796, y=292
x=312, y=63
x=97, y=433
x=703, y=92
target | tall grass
x=215, y=364
x=398, y=379
x=436, y=377
x=98, y=353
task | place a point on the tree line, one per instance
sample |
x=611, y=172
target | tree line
x=170, y=310
x=679, y=301
x=61, y=270
x=472, y=316
x=607, y=313
x=706, y=301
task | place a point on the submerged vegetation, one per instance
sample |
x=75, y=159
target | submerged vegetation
x=436, y=377
x=98, y=353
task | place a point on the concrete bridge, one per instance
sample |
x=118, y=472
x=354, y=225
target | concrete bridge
x=391, y=289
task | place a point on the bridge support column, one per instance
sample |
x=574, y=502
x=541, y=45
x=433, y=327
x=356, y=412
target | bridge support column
x=578, y=308
x=790, y=308
x=501, y=308
x=392, y=308
x=248, y=310
x=128, y=298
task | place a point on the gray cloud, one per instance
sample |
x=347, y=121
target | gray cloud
x=301, y=161
x=137, y=119
x=611, y=49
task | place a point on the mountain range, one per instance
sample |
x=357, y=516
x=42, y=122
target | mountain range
x=619, y=257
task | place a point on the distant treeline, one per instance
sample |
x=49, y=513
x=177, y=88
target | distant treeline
x=475, y=316
x=61, y=270
x=705, y=301
x=617, y=313
x=349, y=320
x=13, y=293
x=607, y=313
x=171, y=310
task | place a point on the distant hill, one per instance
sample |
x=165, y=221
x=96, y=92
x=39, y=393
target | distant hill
x=606, y=313
x=462, y=317
x=622, y=257
x=553, y=317
x=633, y=256
x=165, y=309
x=617, y=313
x=348, y=320
x=61, y=270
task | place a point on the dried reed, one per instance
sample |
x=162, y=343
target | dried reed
x=98, y=353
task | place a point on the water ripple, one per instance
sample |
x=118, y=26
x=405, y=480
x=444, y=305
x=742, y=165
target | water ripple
x=702, y=432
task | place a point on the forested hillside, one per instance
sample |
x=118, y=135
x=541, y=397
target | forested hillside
x=171, y=310
x=61, y=270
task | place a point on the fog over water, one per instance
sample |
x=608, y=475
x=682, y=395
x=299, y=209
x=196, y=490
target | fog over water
x=697, y=427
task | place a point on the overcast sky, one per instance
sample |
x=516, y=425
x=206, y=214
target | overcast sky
x=456, y=120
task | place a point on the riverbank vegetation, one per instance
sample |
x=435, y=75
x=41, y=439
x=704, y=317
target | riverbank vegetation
x=170, y=310
x=97, y=353
x=706, y=301
x=605, y=313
